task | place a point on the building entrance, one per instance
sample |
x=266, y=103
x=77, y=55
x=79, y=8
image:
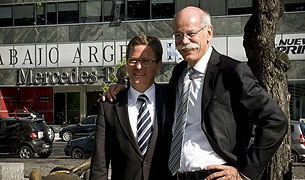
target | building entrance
x=60, y=109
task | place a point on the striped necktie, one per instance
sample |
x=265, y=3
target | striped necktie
x=144, y=125
x=181, y=118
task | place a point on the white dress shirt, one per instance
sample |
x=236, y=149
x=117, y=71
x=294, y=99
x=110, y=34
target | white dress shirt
x=197, y=152
x=134, y=106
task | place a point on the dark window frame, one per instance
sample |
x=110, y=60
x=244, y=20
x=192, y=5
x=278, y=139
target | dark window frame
x=24, y=21
x=11, y=20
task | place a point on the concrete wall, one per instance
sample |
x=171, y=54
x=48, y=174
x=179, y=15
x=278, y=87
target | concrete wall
x=11, y=171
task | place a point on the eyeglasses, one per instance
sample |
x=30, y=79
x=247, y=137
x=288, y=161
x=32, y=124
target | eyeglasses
x=179, y=36
x=144, y=62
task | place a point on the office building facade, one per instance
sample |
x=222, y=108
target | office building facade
x=55, y=55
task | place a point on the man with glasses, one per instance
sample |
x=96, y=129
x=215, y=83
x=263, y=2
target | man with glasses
x=129, y=130
x=215, y=101
x=224, y=101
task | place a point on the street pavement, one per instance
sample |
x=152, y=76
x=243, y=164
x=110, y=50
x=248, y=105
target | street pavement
x=59, y=159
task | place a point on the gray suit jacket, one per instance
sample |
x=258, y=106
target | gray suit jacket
x=115, y=142
x=232, y=102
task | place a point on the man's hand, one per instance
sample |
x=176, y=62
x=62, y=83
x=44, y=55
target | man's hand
x=225, y=173
x=112, y=92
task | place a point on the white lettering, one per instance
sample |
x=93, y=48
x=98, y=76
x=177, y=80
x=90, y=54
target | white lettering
x=28, y=77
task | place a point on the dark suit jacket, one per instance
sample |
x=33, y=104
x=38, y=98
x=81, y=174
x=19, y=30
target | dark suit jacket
x=115, y=142
x=232, y=101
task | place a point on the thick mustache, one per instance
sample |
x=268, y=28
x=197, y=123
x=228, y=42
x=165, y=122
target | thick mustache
x=188, y=46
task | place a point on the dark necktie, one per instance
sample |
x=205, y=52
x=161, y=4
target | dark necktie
x=144, y=125
x=181, y=118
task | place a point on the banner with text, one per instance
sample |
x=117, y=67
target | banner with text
x=110, y=53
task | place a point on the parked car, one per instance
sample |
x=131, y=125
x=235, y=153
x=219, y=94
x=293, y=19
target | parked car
x=80, y=148
x=25, y=137
x=84, y=128
x=297, y=141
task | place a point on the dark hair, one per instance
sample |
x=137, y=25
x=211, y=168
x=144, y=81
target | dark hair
x=151, y=41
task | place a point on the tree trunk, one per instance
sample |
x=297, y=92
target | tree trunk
x=270, y=68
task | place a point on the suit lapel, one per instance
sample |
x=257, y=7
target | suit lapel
x=209, y=82
x=121, y=109
x=208, y=89
x=160, y=105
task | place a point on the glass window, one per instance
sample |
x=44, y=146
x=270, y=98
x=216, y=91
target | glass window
x=6, y=16
x=11, y=127
x=236, y=7
x=90, y=11
x=68, y=12
x=292, y=128
x=108, y=8
x=41, y=15
x=2, y=127
x=24, y=15
x=114, y=10
x=38, y=125
x=237, y=11
x=51, y=13
x=302, y=128
x=163, y=9
x=73, y=108
x=138, y=9
x=297, y=100
x=89, y=120
x=295, y=7
x=239, y=3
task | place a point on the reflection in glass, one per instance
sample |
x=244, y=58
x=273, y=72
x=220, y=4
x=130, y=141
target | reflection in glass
x=297, y=101
x=51, y=13
x=68, y=12
x=138, y=10
x=90, y=11
x=108, y=9
x=40, y=8
x=24, y=15
x=73, y=107
x=6, y=16
x=163, y=10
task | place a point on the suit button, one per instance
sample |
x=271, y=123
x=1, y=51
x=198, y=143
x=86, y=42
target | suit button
x=144, y=163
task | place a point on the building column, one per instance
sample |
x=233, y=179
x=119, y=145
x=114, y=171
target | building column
x=83, y=102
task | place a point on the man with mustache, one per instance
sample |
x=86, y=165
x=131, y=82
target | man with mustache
x=217, y=101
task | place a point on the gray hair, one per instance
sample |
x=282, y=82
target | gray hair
x=205, y=20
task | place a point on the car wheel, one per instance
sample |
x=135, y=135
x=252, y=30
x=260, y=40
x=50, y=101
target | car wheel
x=67, y=136
x=294, y=157
x=25, y=152
x=77, y=154
x=45, y=154
x=49, y=134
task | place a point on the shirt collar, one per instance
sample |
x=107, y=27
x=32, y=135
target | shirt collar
x=202, y=64
x=150, y=93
